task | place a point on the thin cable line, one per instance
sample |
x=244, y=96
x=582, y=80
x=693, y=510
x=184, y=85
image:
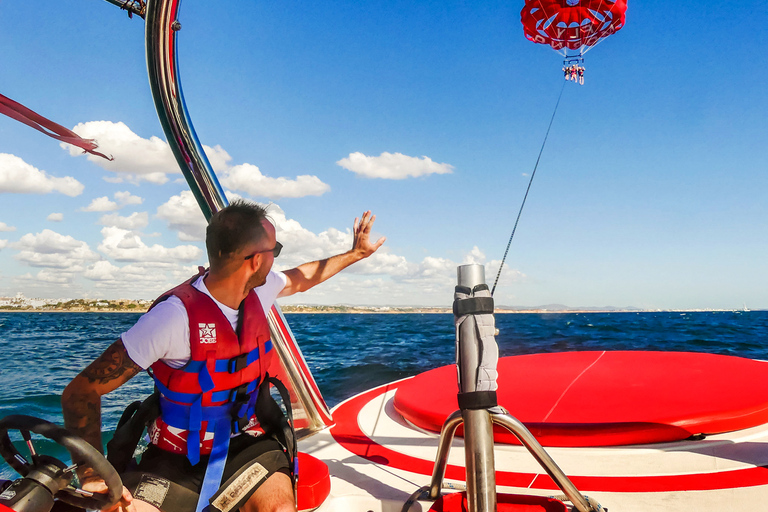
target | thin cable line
x=529, y=188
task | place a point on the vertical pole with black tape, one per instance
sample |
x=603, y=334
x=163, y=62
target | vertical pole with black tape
x=476, y=359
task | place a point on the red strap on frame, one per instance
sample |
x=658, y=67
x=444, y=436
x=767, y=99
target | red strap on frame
x=32, y=119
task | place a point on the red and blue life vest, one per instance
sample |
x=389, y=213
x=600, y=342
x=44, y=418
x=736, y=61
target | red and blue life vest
x=214, y=394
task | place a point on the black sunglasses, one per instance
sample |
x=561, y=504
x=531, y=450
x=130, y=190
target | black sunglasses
x=275, y=251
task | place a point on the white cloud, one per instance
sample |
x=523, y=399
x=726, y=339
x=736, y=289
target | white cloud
x=392, y=166
x=47, y=275
x=102, y=271
x=184, y=216
x=55, y=217
x=3, y=243
x=54, y=250
x=101, y=204
x=218, y=158
x=385, y=278
x=475, y=256
x=302, y=245
x=107, y=273
x=249, y=179
x=126, y=198
x=105, y=204
x=123, y=245
x=19, y=177
x=137, y=279
x=136, y=159
x=136, y=220
x=6, y=227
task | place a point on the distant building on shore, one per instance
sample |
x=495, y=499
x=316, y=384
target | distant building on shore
x=22, y=303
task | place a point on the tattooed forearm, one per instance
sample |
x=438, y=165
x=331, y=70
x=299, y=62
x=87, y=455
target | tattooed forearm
x=82, y=414
x=81, y=399
x=113, y=364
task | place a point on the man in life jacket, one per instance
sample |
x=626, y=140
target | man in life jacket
x=206, y=344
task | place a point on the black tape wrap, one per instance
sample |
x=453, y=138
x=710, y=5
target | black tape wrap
x=477, y=400
x=473, y=306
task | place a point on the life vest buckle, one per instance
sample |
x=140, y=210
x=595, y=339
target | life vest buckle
x=239, y=424
x=238, y=363
x=239, y=395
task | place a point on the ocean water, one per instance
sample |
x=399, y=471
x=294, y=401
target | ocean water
x=348, y=353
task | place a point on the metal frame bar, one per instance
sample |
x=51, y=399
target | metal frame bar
x=527, y=439
x=161, y=30
x=162, y=27
x=303, y=383
x=132, y=6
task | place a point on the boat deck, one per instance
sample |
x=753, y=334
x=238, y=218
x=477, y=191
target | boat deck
x=377, y=460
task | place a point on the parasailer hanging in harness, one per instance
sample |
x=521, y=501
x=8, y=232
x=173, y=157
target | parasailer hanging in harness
x=572, y=27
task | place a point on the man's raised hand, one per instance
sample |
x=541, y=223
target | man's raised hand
x=361, y=232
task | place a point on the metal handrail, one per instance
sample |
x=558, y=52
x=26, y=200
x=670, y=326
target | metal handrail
x=527, y=439
x=441, y=461
x=544, y=459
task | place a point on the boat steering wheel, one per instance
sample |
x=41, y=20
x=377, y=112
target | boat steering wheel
x=46, y=473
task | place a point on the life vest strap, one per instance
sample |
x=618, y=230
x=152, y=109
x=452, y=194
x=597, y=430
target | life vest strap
x=229, y=395
x=226, y=365
x=204, y=379
x=189, y=416
x=216, y=463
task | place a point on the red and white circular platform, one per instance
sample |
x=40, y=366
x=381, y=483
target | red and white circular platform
x=607, y=398
x=384, y=443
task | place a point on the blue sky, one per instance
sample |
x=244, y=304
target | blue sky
x=650, y=193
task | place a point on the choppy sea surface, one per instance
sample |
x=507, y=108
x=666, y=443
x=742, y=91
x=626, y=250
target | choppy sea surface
x=349, y=353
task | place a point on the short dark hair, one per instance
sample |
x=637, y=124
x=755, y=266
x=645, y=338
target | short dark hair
x=232, y=228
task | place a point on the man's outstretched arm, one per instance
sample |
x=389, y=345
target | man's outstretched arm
x=304, y=277
x=81, y=399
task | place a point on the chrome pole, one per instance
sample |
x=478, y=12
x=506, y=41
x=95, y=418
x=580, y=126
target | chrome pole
x=162, y=27
x=478, y=428
x=307, y=394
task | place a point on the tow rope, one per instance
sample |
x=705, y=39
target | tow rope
x=498, y=275
x=19, y=112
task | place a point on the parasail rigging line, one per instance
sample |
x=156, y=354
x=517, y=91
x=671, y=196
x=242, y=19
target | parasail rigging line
x=530, y=181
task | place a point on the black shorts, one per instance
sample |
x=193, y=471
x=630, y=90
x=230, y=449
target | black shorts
x=171, y=483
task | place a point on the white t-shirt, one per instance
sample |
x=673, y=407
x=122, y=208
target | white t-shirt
x=163, y=332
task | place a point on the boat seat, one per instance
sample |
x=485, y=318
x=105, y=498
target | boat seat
x=314, y=483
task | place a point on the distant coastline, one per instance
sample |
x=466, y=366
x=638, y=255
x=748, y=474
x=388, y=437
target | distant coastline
x=141, y=306
x=23, y=305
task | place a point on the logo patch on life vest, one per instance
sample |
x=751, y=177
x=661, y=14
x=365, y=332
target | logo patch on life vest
x=207, y=333
x=152, y=489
